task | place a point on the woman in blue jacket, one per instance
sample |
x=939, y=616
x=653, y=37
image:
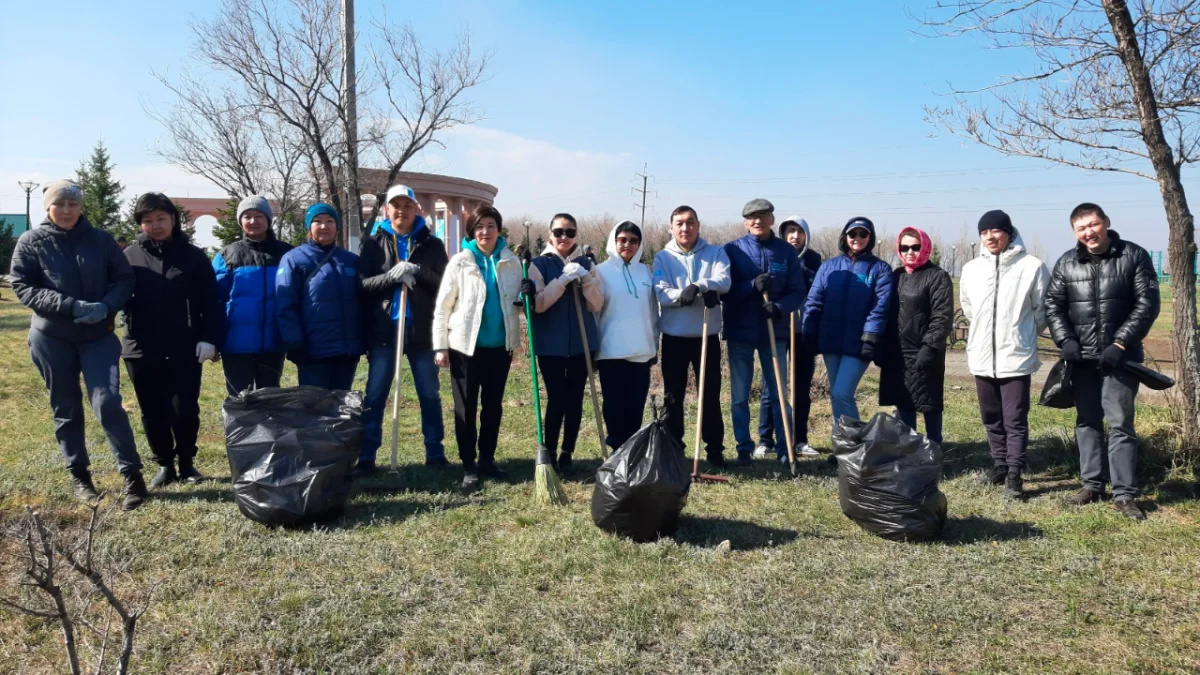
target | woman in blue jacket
x=316, y=290
x=846, y=312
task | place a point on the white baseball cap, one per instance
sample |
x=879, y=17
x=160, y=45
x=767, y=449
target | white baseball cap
x=401, y=191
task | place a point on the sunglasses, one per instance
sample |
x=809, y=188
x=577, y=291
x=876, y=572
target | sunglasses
x=905, y=248
x=563, y=234
x=858, y=233
x=628, y=241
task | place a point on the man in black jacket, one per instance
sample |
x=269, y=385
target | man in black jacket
x=1101, y=302
x=401, y=252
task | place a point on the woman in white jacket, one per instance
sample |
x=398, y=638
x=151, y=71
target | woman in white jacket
x=628, y=327
x=475, y=329
x=1001, y=293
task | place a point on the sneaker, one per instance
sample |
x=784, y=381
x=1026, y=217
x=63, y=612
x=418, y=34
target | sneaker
x=744, y=460
x=470, y=480
x=1084, y=496
x=762, y=449
x=807, y=450
x=492, y=471
x=189, y=474
x=165, y=476
x=363, y=470
x=135, y=490
x=564, y=462
x=998, y=475
x=1014, y=487
x=1130, y=508
x=81, y=482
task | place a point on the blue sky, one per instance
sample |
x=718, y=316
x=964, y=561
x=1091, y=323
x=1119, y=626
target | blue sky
x=814, y=105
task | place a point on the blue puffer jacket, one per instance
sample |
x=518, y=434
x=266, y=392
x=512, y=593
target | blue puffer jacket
x=246, y=282
x=319, y=315
x=742, y=314
x=849, y=298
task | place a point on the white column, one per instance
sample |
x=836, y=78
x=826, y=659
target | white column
x=454, y=224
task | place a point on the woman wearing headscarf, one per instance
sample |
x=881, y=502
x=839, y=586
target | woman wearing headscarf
x=172, y=326
x=557, y=341
x=628, y=327
x=316, y=291
x=475, y=330
x=920, y=317
x=845, y=315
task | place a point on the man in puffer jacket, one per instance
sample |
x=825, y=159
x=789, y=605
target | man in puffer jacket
x=767, y=281
x=1001, y=293
x=251, y=353
x=1102, y=300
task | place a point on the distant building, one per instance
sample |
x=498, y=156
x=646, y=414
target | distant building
x=18, y=221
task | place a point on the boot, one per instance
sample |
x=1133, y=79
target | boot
x=81, y=481
x=135, y=490
x=564, y=462
x=187, y=471
x=492, y=471
x=165, y=476
x=363, y=470
x=998, y=475
x=716, y=460
x=1014, y=487
x=1130, y=508
x=1084, y=496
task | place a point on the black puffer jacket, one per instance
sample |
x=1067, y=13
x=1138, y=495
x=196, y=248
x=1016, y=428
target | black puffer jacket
x=175, y=302
x=52, y=268
x=1097, y=300
x=921, y=314
x=377, y=255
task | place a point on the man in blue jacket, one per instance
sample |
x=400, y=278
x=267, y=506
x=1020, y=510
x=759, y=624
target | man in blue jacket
x=768, y=280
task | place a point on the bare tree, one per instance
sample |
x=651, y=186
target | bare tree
x=1115, y=90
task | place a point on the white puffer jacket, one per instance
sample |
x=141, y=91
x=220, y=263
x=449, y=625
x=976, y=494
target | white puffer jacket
x=458, y=311
x=628, y=323
x=1002, y=296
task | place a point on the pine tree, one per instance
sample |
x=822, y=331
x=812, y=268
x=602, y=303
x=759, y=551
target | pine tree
x=185, y=219
x=101, y=191
x=8, y=241
x=227, y=229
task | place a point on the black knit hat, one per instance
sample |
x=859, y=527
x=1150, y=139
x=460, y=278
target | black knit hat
x=996, y=220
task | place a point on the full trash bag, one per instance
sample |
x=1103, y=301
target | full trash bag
x=1058, y=392
x=291, y=451
x=642, y=488
x=888, y=478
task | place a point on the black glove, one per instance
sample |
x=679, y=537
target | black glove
x=926, y=357
x=711, y=299
x=688, y=295
x=1072, y=352
x=868, y=347
x=1111, y=358
x=528, y=290
x=762, y=282
x=772, y=311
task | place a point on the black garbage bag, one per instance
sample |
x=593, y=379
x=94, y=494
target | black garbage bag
x=888, y=478
x=1057, y=392
x=642, y=488
x=291, y=451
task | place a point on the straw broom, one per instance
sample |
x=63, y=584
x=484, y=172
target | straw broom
x=547, y=488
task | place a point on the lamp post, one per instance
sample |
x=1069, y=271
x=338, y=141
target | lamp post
x=973, y=250
x=27, y=186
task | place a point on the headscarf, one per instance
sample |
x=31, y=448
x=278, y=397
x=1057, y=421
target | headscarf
x=922, y=255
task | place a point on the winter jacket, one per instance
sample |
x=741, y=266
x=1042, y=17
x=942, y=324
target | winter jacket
x=316, y=289
x=628, y=323
x=744, y=320
x=921, y=314
x=705, y=265
x=1002, y=297
x=377, y=255
x=246, y=286
x=849, y=299
x=458, y=312
x=175, y=302
x=1099, y=299
x=53, y=268
x=555, y=323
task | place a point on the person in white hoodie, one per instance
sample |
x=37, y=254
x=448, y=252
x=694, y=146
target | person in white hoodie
x=628, y=327
x=1002, y=295
x=689, y=275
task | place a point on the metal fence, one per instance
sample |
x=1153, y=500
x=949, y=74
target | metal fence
x=1160, y=267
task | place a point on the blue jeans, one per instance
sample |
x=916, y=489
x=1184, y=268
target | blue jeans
x=741, y=375
x=844, y=374
x=335, y=374
x=933, y=423
x=381, y=361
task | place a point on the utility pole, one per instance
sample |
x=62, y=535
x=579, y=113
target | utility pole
x=353, y=201
x=645, y=178
x=27, y=186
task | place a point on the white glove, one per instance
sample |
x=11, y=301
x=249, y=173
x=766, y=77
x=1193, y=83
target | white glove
x=205, y=352
x=401, y=270
x=573, y=271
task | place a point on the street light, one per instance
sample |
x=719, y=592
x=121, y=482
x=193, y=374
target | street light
x=973, y=249
x=27, y=186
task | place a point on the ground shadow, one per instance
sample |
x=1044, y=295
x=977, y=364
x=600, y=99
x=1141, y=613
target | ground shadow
x=395, y=510
x=1175, y=491
x=964, y=458
x=1050, y=489
x=974, y=529
x=704, y=532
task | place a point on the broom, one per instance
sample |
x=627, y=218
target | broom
x=587, y=354
x=547, y=488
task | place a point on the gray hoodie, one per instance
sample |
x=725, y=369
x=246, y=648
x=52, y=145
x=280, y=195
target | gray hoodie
x=706, y=266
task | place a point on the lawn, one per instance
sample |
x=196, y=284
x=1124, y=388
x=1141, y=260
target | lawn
x=418, y=577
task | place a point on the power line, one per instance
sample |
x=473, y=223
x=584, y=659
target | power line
x=645, y=178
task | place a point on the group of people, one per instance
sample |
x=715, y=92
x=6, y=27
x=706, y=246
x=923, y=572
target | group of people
x=768, y=293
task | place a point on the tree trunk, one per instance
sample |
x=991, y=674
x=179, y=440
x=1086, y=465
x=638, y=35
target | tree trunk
x=1181, y=230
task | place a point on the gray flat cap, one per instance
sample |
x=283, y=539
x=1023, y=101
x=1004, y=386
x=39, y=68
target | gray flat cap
x=757, y=206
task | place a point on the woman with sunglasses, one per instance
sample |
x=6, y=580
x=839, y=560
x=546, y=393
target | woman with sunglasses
x=845, y=315
x=557, y=342
x=913, y=362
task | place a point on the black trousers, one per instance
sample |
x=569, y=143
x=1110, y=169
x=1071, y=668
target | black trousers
x=678, y=355
x=251, y=371
x=1004, y=407
x=804, y=365
x=477, y=382
x=168, y=392
x=565, y=378
x=626, y=385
